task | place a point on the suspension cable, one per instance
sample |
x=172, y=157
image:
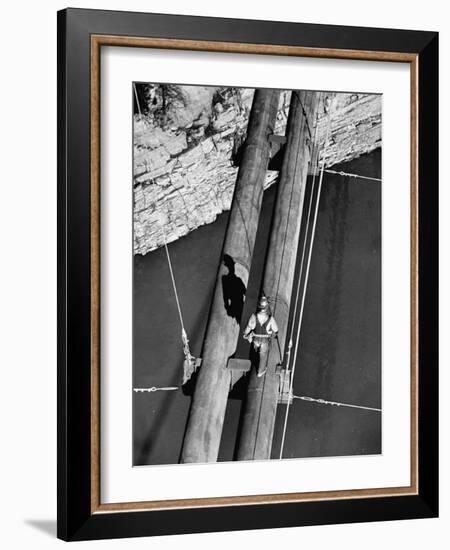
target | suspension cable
x=335, y=403
x=180, y=315
x=154, y=388
x=137, y=99
x=349, y=175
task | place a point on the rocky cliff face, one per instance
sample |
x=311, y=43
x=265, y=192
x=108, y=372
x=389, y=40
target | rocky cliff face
x=186, y=139
x=354, y=127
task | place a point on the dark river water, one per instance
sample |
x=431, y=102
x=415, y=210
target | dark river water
x=339, y=357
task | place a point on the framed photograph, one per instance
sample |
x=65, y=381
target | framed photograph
x=247, y=253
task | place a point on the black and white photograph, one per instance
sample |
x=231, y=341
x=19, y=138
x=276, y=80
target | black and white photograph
x=256, y=274
x=223, y=275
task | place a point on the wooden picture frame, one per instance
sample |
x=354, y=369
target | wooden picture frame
x=81, y=35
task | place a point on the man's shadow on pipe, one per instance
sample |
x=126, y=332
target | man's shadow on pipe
x=233, y=289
